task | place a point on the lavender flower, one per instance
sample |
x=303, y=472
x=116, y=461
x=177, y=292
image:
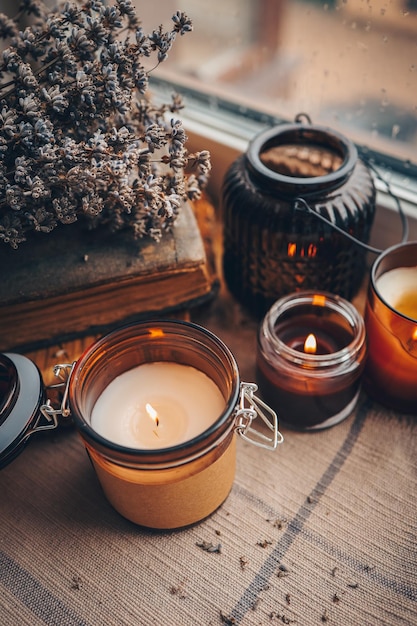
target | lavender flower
x=79, y=137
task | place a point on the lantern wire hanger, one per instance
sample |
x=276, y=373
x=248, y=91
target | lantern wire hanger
x=301, y=205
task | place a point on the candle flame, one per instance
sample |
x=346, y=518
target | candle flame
x=152, y=413
x=310, y=344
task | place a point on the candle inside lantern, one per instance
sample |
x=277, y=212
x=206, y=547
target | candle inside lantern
x=157, y=405
x=310, y=356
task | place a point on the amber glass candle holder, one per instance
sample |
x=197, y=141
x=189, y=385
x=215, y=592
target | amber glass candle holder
x=311, y=386
x=158, y=405
x=168, y=487
x=391, y=326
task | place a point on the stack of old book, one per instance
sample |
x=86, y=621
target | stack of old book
x=76, y=282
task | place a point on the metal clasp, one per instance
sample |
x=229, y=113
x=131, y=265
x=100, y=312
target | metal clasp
x=251, y=407
x=62, y=371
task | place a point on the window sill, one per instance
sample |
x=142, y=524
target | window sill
x=225, y=128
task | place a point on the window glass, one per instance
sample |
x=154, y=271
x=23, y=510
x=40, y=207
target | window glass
x=351, y=64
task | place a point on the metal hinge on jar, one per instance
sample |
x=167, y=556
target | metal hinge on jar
x=52, y=416
x=250, y=407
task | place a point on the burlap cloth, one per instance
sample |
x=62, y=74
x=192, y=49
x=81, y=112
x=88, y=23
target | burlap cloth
x=321, y=531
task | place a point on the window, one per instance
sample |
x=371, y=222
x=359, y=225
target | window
x=348, y=64
x=351, y=64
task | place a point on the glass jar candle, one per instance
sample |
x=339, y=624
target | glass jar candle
x=158, y=406
x=179, y=483
x=310, y=357
x=391, y=326
x=272, y=247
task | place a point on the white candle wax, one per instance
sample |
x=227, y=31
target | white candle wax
x=157, y=405
x=398, y=287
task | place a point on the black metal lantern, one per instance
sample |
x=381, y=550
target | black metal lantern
x=273, y=245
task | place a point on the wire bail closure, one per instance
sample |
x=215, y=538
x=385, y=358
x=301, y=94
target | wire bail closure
x=250, y=407
x=62, y=371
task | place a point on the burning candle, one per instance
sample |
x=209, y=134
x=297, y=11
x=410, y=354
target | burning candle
x=310, y=356
x=310, y=344
x=157, y=405
x=312, y=334
x=391, y=326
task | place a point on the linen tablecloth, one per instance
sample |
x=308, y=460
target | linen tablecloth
x=320, y=531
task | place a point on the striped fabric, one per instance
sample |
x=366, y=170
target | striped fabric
x=321, y=531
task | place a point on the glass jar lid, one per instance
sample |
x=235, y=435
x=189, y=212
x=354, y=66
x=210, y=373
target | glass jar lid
x=22, y=394
x=9, y=386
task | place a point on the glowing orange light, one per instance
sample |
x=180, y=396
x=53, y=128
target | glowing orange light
x=319, y=300
x=292, y=249
x=155, y=333
x=310, y=344
x=312, y=250
x=415, y=334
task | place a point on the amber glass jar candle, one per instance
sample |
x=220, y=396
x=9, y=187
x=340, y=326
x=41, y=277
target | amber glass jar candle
x=168, y=483
x=391, y=326
x=272, y=246
x=310, y=357
x=158, y=405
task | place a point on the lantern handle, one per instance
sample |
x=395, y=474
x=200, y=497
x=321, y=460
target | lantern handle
x=251, y=407
x=304, y=117
x=305, y=206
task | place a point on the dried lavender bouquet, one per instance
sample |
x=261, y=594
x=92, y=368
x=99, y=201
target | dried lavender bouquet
x=80, y=138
